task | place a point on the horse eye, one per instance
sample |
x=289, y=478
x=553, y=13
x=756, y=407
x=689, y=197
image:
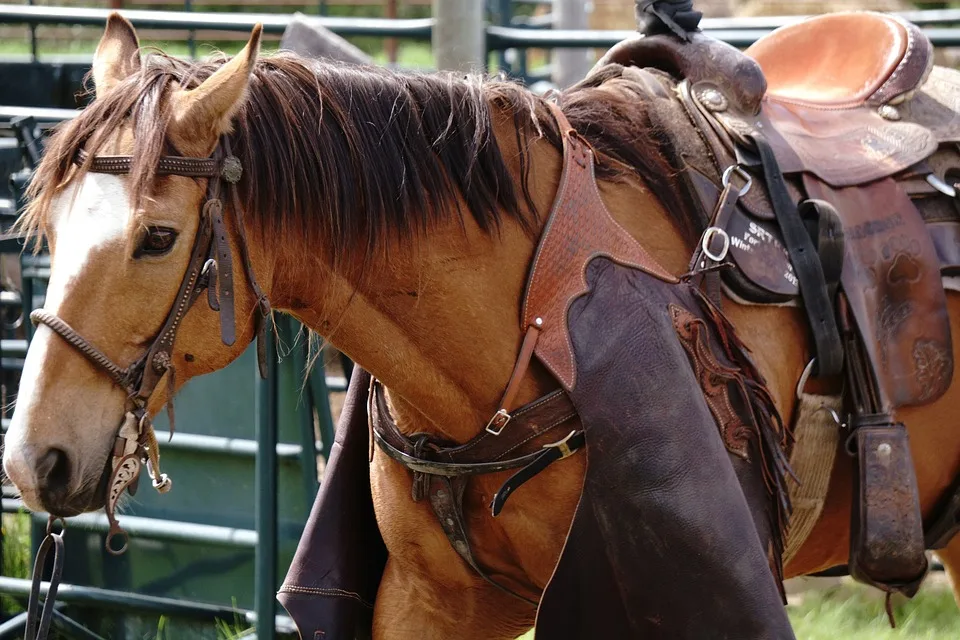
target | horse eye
x=156, y=242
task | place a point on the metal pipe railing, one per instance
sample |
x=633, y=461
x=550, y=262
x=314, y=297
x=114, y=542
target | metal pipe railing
x=134, y=602
x=272, y=23
x=500, y=38
x=265, y=553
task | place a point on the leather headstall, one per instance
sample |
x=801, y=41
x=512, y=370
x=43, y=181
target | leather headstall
x=210, y=265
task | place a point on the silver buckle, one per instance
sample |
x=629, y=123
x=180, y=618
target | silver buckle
x=498, y=422
x=708, y=236
x=742, y=173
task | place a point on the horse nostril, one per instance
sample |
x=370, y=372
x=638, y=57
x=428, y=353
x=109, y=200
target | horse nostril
x=53, y=469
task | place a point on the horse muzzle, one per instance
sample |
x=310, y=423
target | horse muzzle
x=48, y=480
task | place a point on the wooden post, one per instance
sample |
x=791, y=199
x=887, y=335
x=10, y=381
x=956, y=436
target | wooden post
x=390, y=44
x=458, y=37
x=570, y=65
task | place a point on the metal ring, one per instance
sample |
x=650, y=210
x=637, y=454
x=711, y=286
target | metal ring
x=52, y=520
x=740, y=171
x=807, y=370
x=708, y=236
x=833, y=414
x=934, y=181
x=121, y=534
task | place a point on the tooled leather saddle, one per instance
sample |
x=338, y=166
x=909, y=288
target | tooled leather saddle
x=825, y=173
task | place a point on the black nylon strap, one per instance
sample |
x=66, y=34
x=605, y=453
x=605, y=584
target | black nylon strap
x=827, y=346
x=830, y=240
x=549, y=455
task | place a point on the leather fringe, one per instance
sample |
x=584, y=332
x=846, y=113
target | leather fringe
x=773, y=437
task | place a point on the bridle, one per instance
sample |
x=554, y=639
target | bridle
x=211, y=264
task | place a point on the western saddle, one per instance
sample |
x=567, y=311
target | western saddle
x=824, y=175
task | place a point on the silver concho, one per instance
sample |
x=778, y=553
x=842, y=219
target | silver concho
x=713, y=100
x=161, y=361
x=231, y=170
x=889, y=112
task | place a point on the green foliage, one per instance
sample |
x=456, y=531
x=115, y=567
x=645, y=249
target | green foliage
x=852, y=611
x=16, y=554
x=234, y=630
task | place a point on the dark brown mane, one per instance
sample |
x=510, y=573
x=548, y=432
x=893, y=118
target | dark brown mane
x=342, y=157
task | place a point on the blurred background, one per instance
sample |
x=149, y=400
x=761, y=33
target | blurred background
x=205, y=560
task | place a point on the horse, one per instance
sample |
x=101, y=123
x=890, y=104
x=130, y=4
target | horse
x=396, y=216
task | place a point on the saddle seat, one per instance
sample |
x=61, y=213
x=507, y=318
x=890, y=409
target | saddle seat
x=844, y=60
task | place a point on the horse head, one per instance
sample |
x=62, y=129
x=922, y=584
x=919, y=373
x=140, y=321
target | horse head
x=125, y=245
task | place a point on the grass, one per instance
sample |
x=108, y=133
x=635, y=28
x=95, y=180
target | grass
x=854, y=612
x=850, y=611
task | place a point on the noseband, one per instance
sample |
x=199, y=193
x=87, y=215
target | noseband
x=211, y=264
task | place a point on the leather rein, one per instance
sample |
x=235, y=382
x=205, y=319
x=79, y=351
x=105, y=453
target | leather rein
x=210, y=268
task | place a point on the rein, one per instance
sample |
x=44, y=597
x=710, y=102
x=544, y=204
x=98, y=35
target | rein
x=210, y=269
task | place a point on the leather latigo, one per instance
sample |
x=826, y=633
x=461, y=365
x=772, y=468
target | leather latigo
x=886, y=542
x=332, y=582
x=891, y=276
x=645, y=510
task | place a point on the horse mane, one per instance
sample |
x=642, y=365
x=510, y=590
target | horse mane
x=343, y=157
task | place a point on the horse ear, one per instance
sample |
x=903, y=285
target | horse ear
x=208, y=109
x=117, y=56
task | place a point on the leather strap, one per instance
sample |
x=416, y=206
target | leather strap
x=828, y=348
x=485, y=453
x=160, y=356
x=446, y=500
x=550, y=454
x=945, y=524
x=502, y=416
x=39, y=630
x=167, y=166
x=220, y=252
x=441, y=471
x=263, y=303
x=828, y=229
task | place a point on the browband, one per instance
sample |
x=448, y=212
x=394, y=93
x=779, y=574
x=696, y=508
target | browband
x=167, y=165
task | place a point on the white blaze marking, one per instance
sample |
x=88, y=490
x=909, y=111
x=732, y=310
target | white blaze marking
x=84, y=217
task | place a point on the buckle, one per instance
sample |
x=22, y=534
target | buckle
x=708, y=235
x=742, y=174
x=498, y=422
x=565, y=450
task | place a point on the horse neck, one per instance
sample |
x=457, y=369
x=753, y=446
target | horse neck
x=438, y=323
